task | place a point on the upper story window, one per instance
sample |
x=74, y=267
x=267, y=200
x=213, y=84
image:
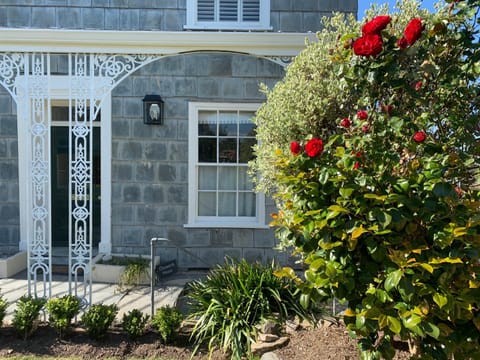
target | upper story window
x=228, y=14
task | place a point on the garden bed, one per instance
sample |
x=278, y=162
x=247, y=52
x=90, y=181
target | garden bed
x=111, y=269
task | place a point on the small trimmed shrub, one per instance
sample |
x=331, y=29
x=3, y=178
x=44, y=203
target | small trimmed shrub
x=61, y=312
x=3, y=309
x=25, y=317
x=167, y=320
x=98, y=319
x=134, y=323
x=234, y=298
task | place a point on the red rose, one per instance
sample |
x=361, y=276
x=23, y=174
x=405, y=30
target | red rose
x=346, y=123
x=387, y=109
x=368, y=45
x=314, y=147
x=365, y=128
x=376, y=25
x=295, y=148
x=402, y=43
x=413, y=30
x=419, y=136
x=362, y=114
x=418, y=85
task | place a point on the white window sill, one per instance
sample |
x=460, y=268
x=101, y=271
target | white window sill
x=220, y=225
x=227, y=27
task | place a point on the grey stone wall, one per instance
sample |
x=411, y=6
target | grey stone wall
x=150, y=163
x=151, y=15
x=9, y=204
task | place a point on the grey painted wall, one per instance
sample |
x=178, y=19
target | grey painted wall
x=150, y=163
x=9, y=204
x=151, y=15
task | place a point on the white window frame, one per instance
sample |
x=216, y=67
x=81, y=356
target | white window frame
x=194, y=220
x=262, y=25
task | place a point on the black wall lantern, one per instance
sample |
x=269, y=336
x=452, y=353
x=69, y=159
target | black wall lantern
x=153, y=109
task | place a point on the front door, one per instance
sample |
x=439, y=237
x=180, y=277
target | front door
x=60, y=191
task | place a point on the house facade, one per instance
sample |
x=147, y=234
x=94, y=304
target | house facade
x=88, y=166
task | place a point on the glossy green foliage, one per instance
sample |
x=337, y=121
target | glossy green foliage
x=97, y=319
x=61, y=311
x=26, y=315
x=167, y=320
x=134, y=322
x=387, y=217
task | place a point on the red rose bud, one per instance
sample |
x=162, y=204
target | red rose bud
x=402, y=43
x=362, y=114
x=346, y=123
x=368, y=45
x=376, y=25
x=356, y=165
x=295, y=148
x=419, y=136
x=387, y=109
x=418, y=85
x=365, y=128
x=314, y=147
x=413, y=30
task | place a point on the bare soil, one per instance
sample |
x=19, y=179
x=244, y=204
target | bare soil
x=329, y=341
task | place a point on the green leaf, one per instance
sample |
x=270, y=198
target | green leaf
x=357, y=232
x=346, y=192
x=394, y=325
x=432, y=330
x=440, y=300
x=442, y=189
x=375, y=197
x=411, y=321
x=337, y=208
x=392, y=279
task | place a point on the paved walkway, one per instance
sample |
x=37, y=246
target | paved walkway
x=166, y=293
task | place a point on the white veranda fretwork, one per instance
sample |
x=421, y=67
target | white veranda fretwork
x=27, y=77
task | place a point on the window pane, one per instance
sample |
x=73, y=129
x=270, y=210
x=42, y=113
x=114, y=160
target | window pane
x=207, y=178
x=207, y=150
x=246, y=150
x=228, y=150
x=208, y=117
x=227, y=204
x=247, y=129
x=246, y=204
x=207, y=129
x=227, y=178
x=244, y=179
x=207, y=204
x=228, y=121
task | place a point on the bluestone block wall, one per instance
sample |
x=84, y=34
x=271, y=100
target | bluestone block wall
x=9, y=205
x=150, y=163
x=151, y=15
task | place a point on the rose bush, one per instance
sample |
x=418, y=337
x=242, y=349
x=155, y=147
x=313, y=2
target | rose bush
x=384, y=212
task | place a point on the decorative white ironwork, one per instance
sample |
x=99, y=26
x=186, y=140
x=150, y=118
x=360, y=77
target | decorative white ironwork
x=281, y=60
x=36, y=105
x=92, y=77
x=11, y=66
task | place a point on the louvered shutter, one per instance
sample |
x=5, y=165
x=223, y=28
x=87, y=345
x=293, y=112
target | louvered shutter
x=251, y=10
x=228, y=10
x=206, y=10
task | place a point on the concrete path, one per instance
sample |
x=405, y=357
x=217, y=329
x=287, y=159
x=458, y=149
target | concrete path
x=167, y=293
